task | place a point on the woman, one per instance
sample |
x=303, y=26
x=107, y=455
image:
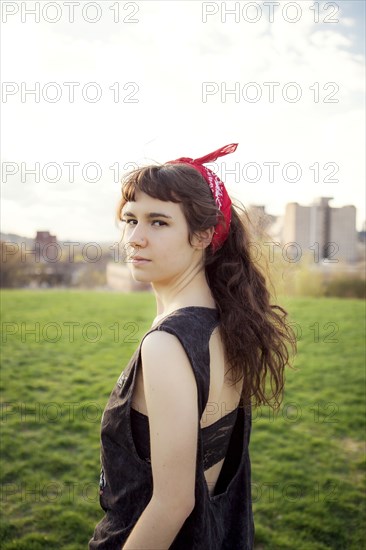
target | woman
x=175, y=431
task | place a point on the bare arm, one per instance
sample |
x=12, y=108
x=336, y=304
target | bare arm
x=171, y=399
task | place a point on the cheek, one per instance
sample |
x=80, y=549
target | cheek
x=172, y=250
x=174, y=242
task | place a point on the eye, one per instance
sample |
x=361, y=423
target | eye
x=159, y=222
x=128, y=222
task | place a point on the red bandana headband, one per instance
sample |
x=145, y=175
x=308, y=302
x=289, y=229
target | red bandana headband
x=217, y=187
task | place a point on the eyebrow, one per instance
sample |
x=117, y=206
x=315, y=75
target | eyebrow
x=150, y=215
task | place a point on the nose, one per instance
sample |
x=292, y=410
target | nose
x=137, y=238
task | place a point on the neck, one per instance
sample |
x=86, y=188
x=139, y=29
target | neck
x=193, y=290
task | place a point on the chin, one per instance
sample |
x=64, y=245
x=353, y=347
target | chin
x=140, y=278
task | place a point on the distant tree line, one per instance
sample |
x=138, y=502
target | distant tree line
x=22, y=270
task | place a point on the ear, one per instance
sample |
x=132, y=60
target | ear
x=202, y=239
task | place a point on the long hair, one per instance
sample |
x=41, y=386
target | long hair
x=254, y=332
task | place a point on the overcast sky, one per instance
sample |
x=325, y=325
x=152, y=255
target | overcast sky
x=151, y=82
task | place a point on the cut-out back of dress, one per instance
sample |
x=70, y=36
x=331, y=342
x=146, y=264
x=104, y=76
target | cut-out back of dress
x=215, y=438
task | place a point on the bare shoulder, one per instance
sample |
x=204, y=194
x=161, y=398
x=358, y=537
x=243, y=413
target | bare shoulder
x=165, y=362
x=163, y=353
x=158, y=341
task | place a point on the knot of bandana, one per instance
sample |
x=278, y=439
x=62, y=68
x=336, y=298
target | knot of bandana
x=217, y=187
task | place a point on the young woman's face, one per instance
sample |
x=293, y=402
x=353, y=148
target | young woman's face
x=156, y=240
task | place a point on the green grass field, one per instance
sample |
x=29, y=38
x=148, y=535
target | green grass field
x=62, y=353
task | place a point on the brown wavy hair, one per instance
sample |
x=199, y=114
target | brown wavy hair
x=255, y=333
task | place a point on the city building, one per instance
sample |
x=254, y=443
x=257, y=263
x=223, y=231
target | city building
x=329, y=231
x=44, y=238
x=261, y=221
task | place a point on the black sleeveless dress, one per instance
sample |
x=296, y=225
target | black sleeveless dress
x=223, y=521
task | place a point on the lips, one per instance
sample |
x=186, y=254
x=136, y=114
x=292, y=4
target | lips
x=139, y=258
